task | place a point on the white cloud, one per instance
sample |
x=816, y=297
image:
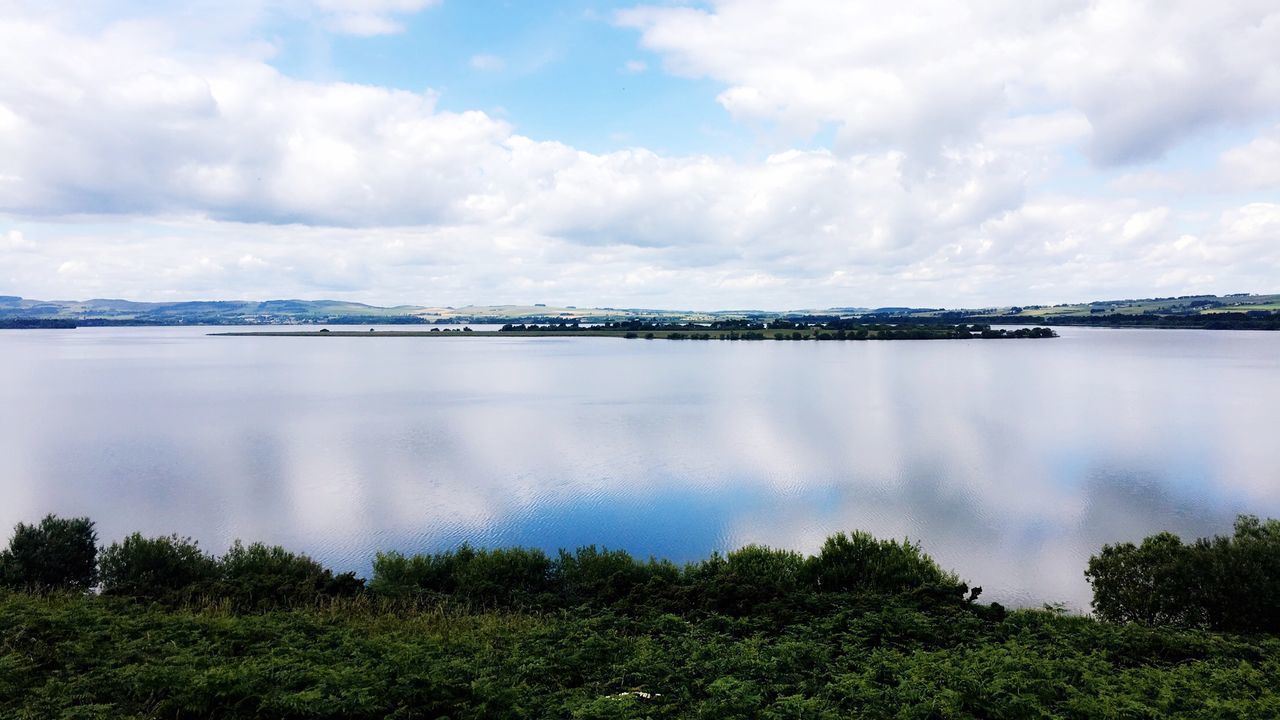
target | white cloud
x=635, y=67
x=368, y=17
x=1255, y=165
x=488, y=63
x=927, y=73
x=215, y=174
x=16, y=240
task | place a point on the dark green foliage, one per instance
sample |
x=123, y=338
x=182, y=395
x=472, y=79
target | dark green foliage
x=89, y=657
x=175, y=570
x=858, y=562
x=398, y=575
x=162, y=568
x=1227, y=583
x=256, y=576
x=865, y=629
x=606, y=577
x=1143, y=583
x=56, y=554
x=503, y=576
x=750, y=581
x=507, y=577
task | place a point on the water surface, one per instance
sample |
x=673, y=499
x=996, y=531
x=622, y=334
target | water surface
x=1011, y=461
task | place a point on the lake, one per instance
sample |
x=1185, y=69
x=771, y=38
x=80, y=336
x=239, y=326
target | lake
x=1011, y=461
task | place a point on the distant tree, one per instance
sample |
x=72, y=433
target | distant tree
x=56, y=554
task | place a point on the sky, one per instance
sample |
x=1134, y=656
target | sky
x=712, y=155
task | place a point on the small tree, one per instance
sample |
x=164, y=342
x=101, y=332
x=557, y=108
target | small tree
x=162, y=568
x=57, y=554
x=859, y=562
x=1227, y=582
x=258, y=575
x=1152, y=583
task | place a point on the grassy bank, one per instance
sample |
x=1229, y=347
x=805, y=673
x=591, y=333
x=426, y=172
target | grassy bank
x=94, y=657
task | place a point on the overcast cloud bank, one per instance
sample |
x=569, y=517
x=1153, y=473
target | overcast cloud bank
x=981, y=153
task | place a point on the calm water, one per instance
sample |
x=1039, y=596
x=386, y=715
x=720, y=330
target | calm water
x=1011, y=461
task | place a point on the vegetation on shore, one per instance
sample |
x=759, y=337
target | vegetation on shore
x=782, y=329
x=829, y=329
x=1239, y=311
x=865, y=628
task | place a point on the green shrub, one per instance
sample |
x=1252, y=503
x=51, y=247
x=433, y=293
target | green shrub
x=858, y=562
x=749, y=577
x=601, y=577
x=504, y=576
x=257, y=576
x=1146, y=583
x=508, y=576
x=1224, y=582
x=57, y=554
x=162, y=568
x=399, y=575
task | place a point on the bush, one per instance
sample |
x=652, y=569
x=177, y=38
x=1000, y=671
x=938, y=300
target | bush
x=859, y=562
x=257, y=576
x=163, y=568
x=57, y=554
x=1225, y=582
x=1145, y=583
x=504, y=576
x=398, y=575
x=603, y=577
x=749, y=577
x=511, y=576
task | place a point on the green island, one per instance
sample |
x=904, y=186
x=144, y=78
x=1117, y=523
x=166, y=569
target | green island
x=155, y=627
x=830, y=329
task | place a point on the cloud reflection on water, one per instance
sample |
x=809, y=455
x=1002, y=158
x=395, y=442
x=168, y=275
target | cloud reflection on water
x=1010, y=461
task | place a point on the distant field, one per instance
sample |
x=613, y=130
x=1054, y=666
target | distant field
x=1272, y=307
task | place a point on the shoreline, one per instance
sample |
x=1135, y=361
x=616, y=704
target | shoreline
x=823, y=334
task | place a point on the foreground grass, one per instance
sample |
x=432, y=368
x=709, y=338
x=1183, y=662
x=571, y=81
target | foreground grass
x=89, y=657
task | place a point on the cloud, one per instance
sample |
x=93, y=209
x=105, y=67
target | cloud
x=368, y=17
x=1255, y=165
x=153, y=171
x=16, y=240
x=635, y=67
x=925, y=74
x=489, y=63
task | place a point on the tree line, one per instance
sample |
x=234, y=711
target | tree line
x=805, y=328
x=61, y=554
x=1226, y=583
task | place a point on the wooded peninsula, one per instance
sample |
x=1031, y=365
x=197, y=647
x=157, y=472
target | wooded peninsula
x=829, y=329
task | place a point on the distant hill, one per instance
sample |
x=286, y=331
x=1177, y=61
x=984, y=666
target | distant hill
x=99, y=311
x=1212, y=311
x=1239, y=311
